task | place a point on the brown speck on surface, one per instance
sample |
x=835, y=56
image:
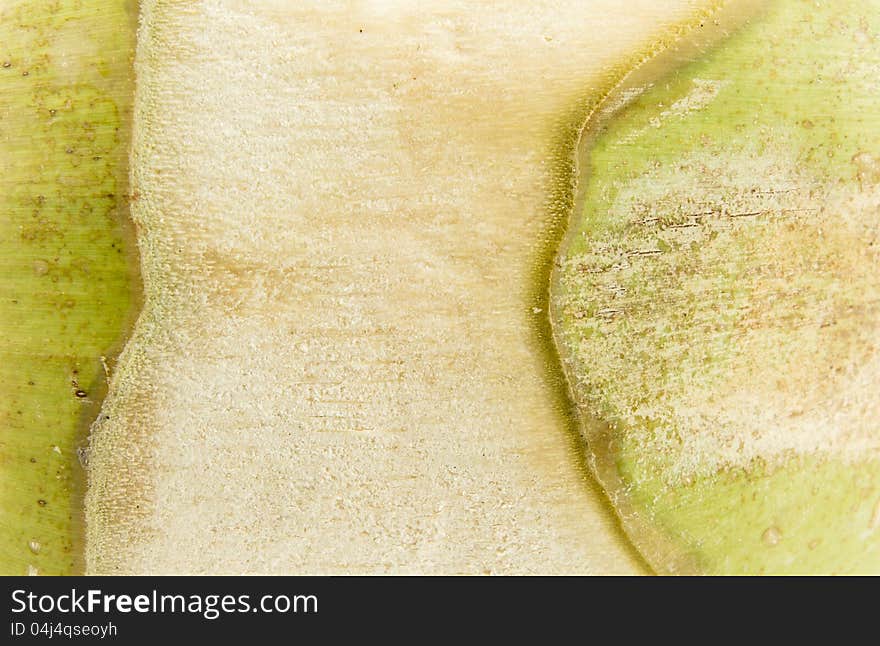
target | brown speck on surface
x=25, y=73
x=80, y=393
x=874, y=523
x=771, y=536
x=41, y=502
x=7, y=64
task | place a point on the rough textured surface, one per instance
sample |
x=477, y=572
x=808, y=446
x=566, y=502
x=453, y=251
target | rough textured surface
x=338, y=367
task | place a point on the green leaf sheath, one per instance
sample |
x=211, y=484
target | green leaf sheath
x=66, y=259
x=716, y=300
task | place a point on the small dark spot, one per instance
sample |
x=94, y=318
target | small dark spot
x=25, y=73
x=106, y=417
x=96, y=158
x=75, y=371
x=80, y=393
x=69, y=151
x=361, y=30
x=33, y=460
x=53, y=112
x=31, y=383
x=41, y=502
x=7, y=64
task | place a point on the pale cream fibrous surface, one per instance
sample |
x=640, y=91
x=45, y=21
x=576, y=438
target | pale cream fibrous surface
x=339, y=367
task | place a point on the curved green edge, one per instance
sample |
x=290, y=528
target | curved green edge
x=66, y=254
x=567, y=133
x=801, y=77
